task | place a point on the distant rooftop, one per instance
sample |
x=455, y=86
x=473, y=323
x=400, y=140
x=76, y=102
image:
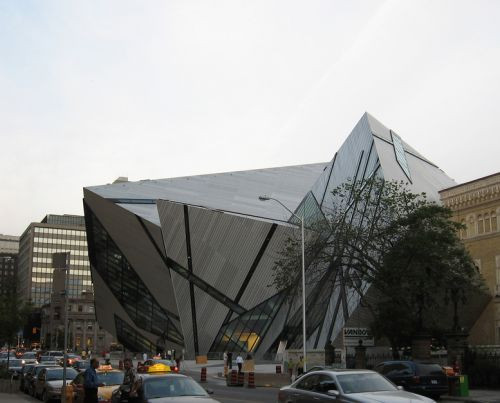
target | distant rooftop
x=9, y=244
x=65, y=219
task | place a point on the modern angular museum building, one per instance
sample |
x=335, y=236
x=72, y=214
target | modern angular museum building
x=186, y=263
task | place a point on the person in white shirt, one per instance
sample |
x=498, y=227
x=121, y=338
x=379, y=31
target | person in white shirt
x=239, y=361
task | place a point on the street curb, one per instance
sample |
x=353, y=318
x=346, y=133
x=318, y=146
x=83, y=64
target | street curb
x=462, y=399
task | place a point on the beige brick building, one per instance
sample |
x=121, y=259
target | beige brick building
x=477, y=205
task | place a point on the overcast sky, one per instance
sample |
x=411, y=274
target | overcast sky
x=93, y=90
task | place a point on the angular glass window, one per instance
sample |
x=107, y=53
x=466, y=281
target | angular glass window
x=400, y=154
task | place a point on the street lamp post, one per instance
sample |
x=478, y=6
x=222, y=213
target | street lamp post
x=61, y=260
x=301, y=219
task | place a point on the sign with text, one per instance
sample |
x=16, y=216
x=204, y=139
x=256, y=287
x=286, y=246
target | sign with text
x=352, y=336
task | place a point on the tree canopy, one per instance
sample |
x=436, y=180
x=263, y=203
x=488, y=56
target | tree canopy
x=382, y=236
x=14, y=314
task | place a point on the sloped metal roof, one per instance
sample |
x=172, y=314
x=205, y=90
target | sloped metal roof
x=236, y=192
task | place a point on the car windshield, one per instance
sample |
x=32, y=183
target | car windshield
x=15, y=363
x=110, y=378
x=172, y=387
x=368, y=382
x=29, y=355
x=429, y=369
x=57, y=374
x=46, y=358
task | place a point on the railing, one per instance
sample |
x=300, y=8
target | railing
x=483, y=368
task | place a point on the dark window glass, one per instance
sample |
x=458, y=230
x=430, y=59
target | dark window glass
x=127, y=286
x=309, y=382
x=429, y=369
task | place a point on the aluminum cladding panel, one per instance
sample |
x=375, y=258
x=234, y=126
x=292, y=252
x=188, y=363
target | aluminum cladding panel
x=174, y=235
x=259, y=288
x=354, y=159
x=224, y=246
x=425, y=177
x=210, y=315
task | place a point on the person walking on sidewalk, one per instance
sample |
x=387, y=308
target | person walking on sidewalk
x=91, y=383
x=239, y=361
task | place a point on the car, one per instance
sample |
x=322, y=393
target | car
x=29, y=355
x=13, y=365
x=70, y=359
x=49, y=382
x=345, y=385
x=109, y=377
x=31, y=376
x=54, y=353
x=424, y=378
x=23, y=375
x=144, y=367
x=163, y=388
x=49, y=358
x=82, y=365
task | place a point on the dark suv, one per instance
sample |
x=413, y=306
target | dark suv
x=424, y=378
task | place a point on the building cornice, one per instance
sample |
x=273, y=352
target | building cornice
x=472, y=193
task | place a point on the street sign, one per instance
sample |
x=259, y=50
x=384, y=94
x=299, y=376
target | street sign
x=352, y=336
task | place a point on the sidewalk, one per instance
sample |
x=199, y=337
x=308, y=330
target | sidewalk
x=15, y=398
x=476, y=396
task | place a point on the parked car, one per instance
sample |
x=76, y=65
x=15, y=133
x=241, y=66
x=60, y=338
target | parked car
x=15, y=366
x=50, y=381
x=31, y=376
x=424, y=378
x=342, y=386
x=23, y=376
x=106, y=375
x=164, y=388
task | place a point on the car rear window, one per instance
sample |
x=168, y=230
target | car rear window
x=429, y=369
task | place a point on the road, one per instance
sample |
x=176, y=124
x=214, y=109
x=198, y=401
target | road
x=235, y=394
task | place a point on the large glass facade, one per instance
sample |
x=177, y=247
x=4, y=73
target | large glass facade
x=126, y=285
x=131, y=339
x=245, y=333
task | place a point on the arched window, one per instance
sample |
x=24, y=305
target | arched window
x=487, y=223
x=471, y=227
x=494, y=225
x=463, y=231
x=480, y=224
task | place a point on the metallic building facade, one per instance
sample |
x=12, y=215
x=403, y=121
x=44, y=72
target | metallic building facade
x=186, y=263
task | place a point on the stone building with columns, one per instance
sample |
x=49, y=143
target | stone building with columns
x=476, y=204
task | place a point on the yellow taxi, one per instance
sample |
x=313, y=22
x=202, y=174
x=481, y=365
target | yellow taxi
x=155, y=365
x=109, y=377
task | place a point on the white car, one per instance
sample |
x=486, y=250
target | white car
x=346, y=386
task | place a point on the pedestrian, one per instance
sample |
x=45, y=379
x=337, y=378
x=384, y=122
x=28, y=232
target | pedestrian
x=144, y=356
x=129, y=386
x=300, y=366
x=239, y=361
x=90, y=382
x=230, y=360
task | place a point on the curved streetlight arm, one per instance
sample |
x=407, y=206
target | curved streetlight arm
x=265, y=198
